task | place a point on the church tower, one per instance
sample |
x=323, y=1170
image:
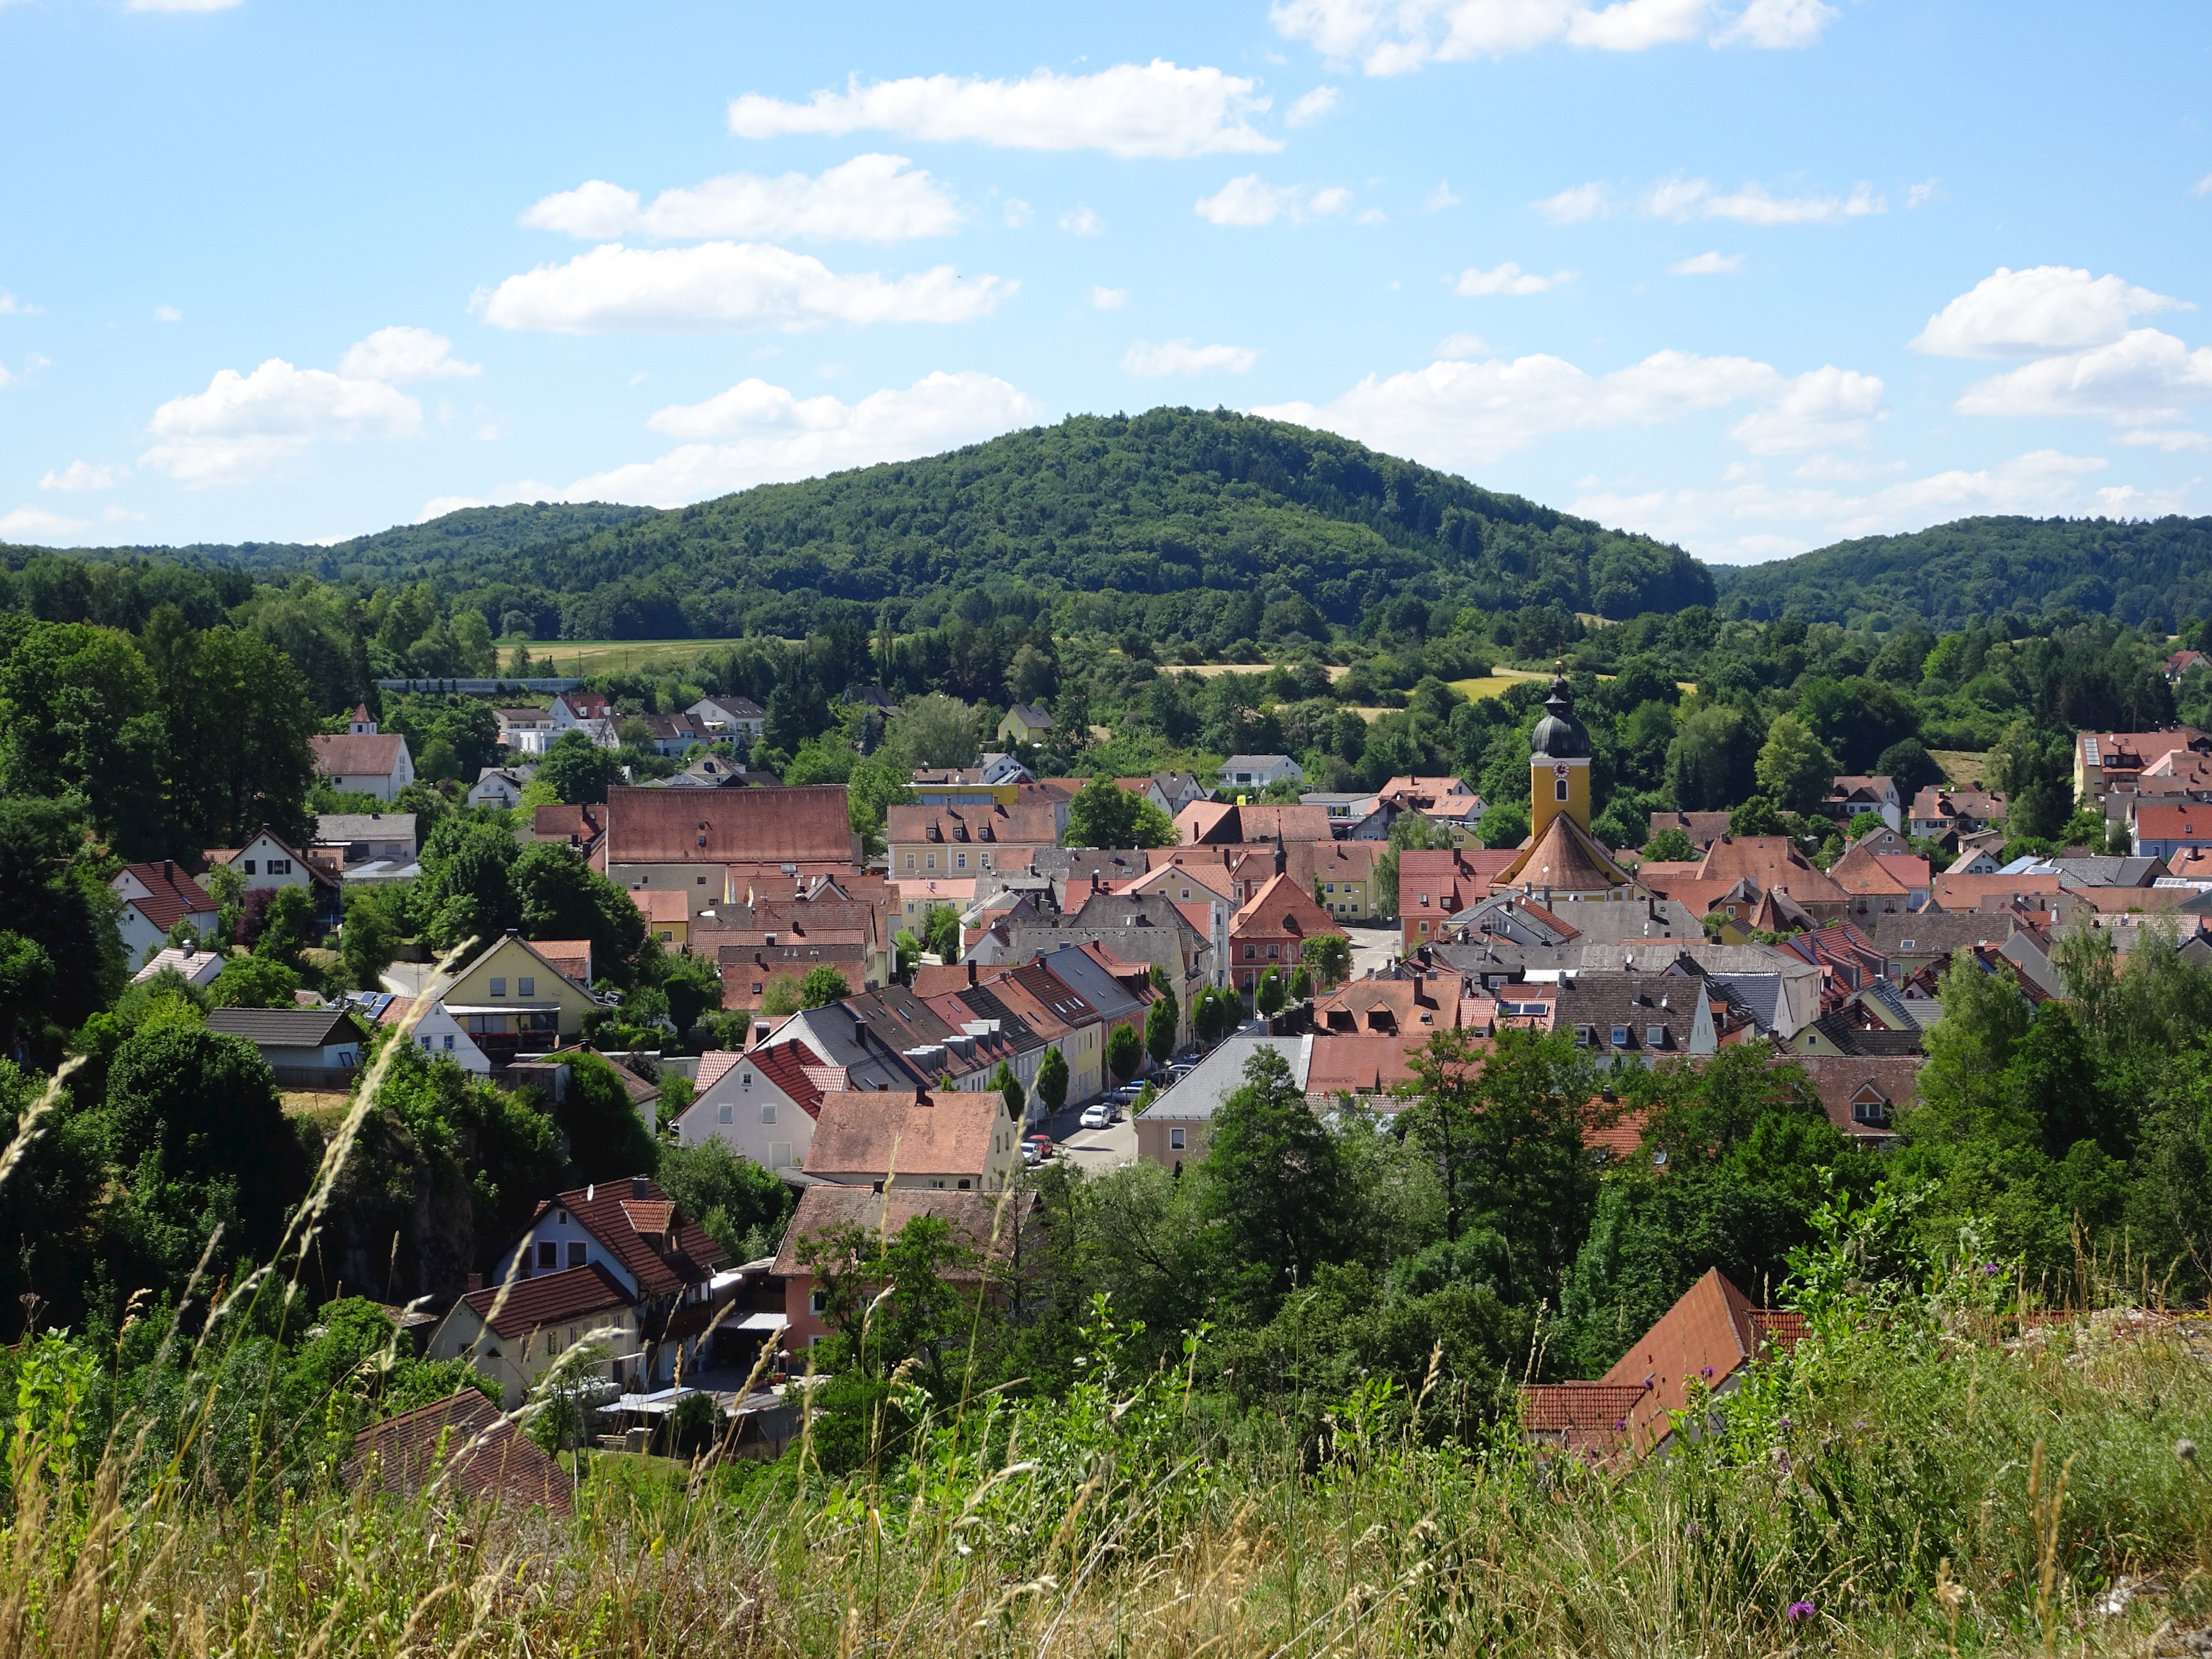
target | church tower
x=1558, y=763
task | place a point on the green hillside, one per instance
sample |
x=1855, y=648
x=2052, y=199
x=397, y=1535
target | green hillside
x=1988, y=566
x=1243, y=510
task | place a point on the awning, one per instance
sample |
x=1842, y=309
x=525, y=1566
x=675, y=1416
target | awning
x=761, y=1322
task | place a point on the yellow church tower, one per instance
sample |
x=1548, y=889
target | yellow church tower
x=1558, y=763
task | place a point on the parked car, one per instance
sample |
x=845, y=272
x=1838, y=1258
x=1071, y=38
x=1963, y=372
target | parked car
x=1031, y=1156
x=1040, y=1144
x=1097, y=1116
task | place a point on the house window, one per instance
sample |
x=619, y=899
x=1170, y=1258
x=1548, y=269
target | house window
x=960, y=861
x=768, y=1111
x=701, y=881
x=548, y=1255
x=756, y=990
x=964, y=1183
x=1558, y=788
x=986, y=859
x=1174, y=1140
x=725, y=1113
x=449, y=1042
x=280, y=867
x=526, y=986
x=1620, y=1036
x=576, y=1255
x=499, y=987
x=1424, y=901
x=746, y=1079
x=1274, y=953
x=932, y=861
x=817, y=1300
x=909, y=861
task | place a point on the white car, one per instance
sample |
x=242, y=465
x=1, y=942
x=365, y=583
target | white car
x=1097, y=1117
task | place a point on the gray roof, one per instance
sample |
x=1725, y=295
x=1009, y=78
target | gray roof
x=365, y=826
x=2104, y=870
x=1221, y=1074
x=1939, y=932
x=1760, y=993
x=1254, y=762
x=1113, y=999
x=287, y=1028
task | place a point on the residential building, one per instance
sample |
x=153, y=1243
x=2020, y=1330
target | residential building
x=1253, y=772
x=1635, y=1017
x=1863, y=1095
x=705, y=844
x=527, y=731
x=838, y=1036
x=1702, y=1347
x=2164, y=832
x=359, y=838
x=994, y=780
x=1271, y=931
x=1451, y=805
x=1340, y=874
x=1178, y=1126
x=193, y=963
x=267, y=861
x=708, y=771
x=306, y=1048
x=634, y=1232
x=1168, y=791
x=673, y=734
x=2105, y=760
x=1122, y=992
x=1879, y=885
x=1026, y=723
x=360, y=760
x=2178, y=663
x=501, y=786
x=513, y=999
x=1851, y=795
x=1703, y=829
x=946, y=1141
x=436, y=1031
x=1436, y=883
x=1256, y=823
x=587, y=711
x=1939, y=811
x=962, y=841
x=581, y=827
x=462, y=1445
x=667, y=915
x=1367, y=1068
x=155, y=898
x=762, y=1104
x=1064, y=1019
x=827, y=1216
x=514, y=1333
x=730, y=714
x=748, y=968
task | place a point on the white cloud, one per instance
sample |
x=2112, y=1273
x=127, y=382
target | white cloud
x=1685, y=199
x=1110, y=299
x=2144, y=377
x=84, y=475
x=1471, y=411
x=246, y=425
x=1753, y=521
x=1249, y=201
x=1508, y=279
x=1456, y=346
x=12, y=307
x=719, y=285
x=180, y=5
x=1017, y=214
x=25, y=522
x=1707, y=265
x=1081, y=222
x=1574, y=205
x=1154, y=109
x=2126, y=502
x=1182, y=357
x=114, y=514
x=397, y=354
x=1920, y=195
x=6, y=379
x=1312, y=106
x=2173, y=440
x=2203, y=187
x=770, y=436
x=438, y=506
x=167, y=314
x=1441, y=197
x=1817, y=410
x=869, y=199
x=2044, y=308
x=1392, y=37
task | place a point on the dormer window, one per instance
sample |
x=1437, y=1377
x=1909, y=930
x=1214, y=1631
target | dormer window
x=1620, y=1036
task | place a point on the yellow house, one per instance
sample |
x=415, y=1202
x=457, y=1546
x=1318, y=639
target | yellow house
x=512, y=1000
x=667, y=915
x=1026, y=723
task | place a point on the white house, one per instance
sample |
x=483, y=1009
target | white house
x=761, y=1105
x=437, y=1034
x=730, y=716
x=527, y=731
x=586, y=712
x=364, y=837
x=315, y=1040
x=155, y=898
x=501, y=786
x=1258, y=771
x=363, y=760
x=195, y=965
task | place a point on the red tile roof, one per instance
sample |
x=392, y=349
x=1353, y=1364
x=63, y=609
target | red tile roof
x=468, y=1442
x=602, y=1210
x=557, y=1298
x=862, y=1134
x=1706, y=1337
x=2186, y=822
x=358, y=754
x=803, y=824
x=172, y=894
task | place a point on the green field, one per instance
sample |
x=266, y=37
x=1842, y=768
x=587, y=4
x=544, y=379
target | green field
x=586, y=657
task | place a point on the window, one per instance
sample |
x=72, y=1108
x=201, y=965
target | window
x=745, y=1077
x=960, y=861
x=756, y=988
x=548, y=1255
x=1620, y=1036
x=280, y=867
x=526, y=986
x=817, y=1300
x=499, y=987
x=964, y=1183
x=449, y=1042
x=702, y=881
x=426, y=1043
x=768, y=1111
x=1655, y=1037
x=664, y=936
x=932, y=861
x=1174, y=1140
x=909, y=861
x=1332, y=887
x=1251, y=953
x=577, y=1251
x=1558, y=788
x=1424, y=901
x=986, y=858
x=1274, y=953
x=725, y=1113
x=248, y=864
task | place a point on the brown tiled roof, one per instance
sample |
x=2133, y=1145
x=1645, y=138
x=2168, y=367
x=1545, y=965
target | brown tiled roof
x=601, y=1211
x=1771, y=862
x=821, y=1209
x=571, y=956
x=543, y=1299
x=661, y=906
x=649, y=1216
x=1567, y=859
x=1282, y=907
x=1361, y=1064
x=1708, y=1335
x=1271, y=820
x=859, y=1133
x=350, y=754
x=489, y=1459
x=1842, y=1080
x=804, y=824
x=1585, y=1413
x=578, y=825
x=173, y=895
x=1025, y=824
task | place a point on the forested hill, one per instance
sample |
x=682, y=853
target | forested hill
x=1150, y=506
x=1988, y=566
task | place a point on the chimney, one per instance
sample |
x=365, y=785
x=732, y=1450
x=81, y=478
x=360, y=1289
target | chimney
x=168, y=869
x=641, y=1187
x=476, y=1282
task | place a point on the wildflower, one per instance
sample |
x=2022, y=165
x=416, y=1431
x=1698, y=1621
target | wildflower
x=1707, y=1373
x=1991, y=1268
x=1621, y=1423
x=1784, y=1426
x=1693, y=1532
x=2185, y=1450
x=1799, y=1610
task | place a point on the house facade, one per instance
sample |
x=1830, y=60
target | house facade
x=513, y=1000
x=1255, y=772
x=306, y=1048
x=730, y=716
x=527, y=731
x=940, y=1140
x=1026, y=723
x=1271, y=931
x=968, y=841
x=762, y=1104
x=362, y=760
x=515, y=1334
x=501, y=786
x=155, y=898
x=706, y=844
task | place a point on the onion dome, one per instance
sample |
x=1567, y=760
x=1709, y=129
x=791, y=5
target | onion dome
x=1559, y=735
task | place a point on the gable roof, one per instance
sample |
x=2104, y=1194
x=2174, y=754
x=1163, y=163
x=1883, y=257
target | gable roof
x=1709, y=1334
x=171, y=895
x=884, y=1215
x=1284, y=906
x=801, y=824
x=196, y=966
x=862, y=1134
x=514, y=1310
x=599, y=1210
x=358, y=754
x=287, y=1028
x=1566, y=858
x=467, y=1442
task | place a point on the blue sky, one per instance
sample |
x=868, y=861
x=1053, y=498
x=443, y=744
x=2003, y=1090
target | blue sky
x=1751, y=275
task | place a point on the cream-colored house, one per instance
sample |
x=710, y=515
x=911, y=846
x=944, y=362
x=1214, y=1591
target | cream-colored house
x=512, y=999
x=513, y=1333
